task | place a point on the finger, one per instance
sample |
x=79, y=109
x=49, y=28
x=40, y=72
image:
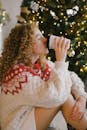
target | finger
x=61, y=42
x=57, y=41
x=75, y=110
x=75, y=114
x=81, y=115
x=67, y=45
x=77, y=117
x=55, y=45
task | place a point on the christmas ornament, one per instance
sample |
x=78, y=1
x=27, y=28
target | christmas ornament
x=34, y=6
x=71, y=52
x=73, y=11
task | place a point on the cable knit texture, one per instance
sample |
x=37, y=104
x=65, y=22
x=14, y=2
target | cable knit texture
x=24, y=87
x=77, y=86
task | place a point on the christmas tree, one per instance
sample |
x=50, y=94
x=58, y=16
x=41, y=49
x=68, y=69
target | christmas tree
x=62, y=18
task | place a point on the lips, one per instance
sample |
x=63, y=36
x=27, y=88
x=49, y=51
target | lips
x=44, y=40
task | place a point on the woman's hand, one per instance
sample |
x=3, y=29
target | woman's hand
x=61, y=46
x=79, y=109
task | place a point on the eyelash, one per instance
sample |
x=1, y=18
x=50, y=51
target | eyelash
x=39, y=37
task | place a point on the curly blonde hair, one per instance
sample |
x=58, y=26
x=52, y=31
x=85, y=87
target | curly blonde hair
x=17, y=47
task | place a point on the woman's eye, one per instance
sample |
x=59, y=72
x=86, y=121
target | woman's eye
x=39, y=37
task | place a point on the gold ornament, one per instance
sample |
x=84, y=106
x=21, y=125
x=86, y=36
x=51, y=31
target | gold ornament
x=85, y=68
x=71, y=52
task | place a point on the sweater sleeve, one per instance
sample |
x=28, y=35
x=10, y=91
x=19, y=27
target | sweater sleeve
x=47, y=88
x=78, y=88
x=53, y=91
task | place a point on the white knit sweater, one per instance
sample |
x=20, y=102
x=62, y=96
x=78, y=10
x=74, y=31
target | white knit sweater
x=24, y=87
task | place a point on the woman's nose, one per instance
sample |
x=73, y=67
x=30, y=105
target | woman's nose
x=44, y=40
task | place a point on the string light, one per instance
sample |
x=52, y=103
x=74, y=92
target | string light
x=78, y=24
x=66, y=23
x=73, y=23
x=71, y=31
x=39, y=17
x=52, y=13
x=82, y=29
x=66, y=34
x=38, y=14
x=47, y=9
x=82, y=53
x=58, y=25
x=33, y=11
x=49, y=58
x=85, y=42
x=65, y=18
x=82, y=22
x=61, y=32
x=84, y=50
x=44, y=0
x=61, y=14
x=79, y=43
x=31, y=21
x=58, y=6
x=78, y=34
x=85, y=16
x=81, y=70
x=81, y=9
x=55, y=23
x=41, y=21
x=42, y=31
x=60, y=20
x=33, y=18
x=77, y=63
x=85, y=7
x=38, y=2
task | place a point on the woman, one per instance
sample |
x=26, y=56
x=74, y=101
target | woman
x=33, y=89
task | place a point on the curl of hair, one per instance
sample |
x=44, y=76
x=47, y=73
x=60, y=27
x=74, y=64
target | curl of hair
x=17, y=48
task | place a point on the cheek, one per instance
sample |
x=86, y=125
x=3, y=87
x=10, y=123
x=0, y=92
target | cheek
x=39, y=48
x=36, y=49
